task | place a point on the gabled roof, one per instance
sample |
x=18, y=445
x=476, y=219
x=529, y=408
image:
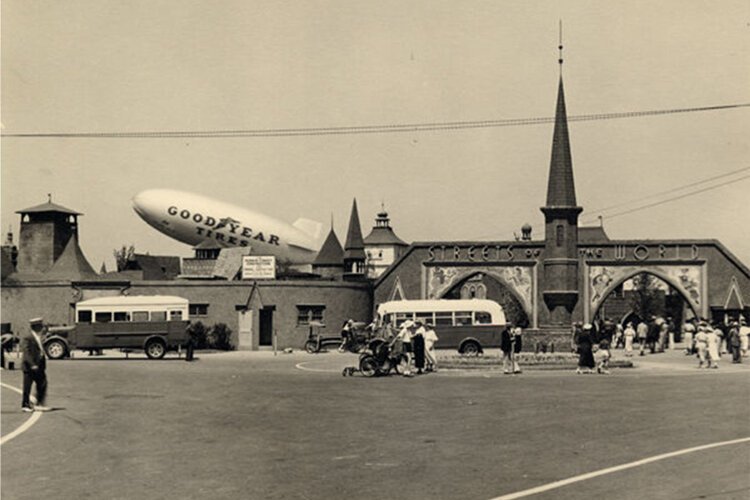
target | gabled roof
x=561, y=191
x=155, y=267
x=355, y=246
x=48, y=207
x=331, y=253
x=71, y=264
x=210, y=244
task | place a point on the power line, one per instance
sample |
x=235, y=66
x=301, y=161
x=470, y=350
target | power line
x=364, y=129
x=685, y=195
x=678, y=188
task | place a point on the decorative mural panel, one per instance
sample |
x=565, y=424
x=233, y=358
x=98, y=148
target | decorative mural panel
x=440, y=279
x=687, y=279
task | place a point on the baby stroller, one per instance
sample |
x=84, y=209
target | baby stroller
x=379, y=359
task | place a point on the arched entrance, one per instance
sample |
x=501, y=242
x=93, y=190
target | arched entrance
x=486, y=286
x=642, y=296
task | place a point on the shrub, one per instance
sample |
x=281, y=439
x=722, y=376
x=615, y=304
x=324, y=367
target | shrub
x=198, y=334
x=220, y=337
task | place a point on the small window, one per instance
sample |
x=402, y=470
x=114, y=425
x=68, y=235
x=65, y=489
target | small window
x=463, y=318
x=84, y=316
x=198, y=310
x=121, y=316
x=103, y=317
x=158, y=315
x=560, y=235
x=175, y=315
x=425, y=317
x=307, y=314
x=443, y=319
x=482, y=318
x=140, y=316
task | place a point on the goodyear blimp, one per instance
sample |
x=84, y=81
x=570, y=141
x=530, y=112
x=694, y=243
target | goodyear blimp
x=193, y=218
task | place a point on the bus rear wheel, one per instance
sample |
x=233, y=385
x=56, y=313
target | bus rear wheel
x=470, y=348
x=155, y=349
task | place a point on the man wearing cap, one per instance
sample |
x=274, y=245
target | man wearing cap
x=34, y=365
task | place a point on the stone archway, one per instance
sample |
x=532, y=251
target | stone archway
x=495, y=290
x=687, y=280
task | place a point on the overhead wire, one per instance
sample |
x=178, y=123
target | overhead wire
x=364, y=129
x=661, y=193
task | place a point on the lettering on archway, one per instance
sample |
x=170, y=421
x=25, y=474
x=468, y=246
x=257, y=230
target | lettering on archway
x=687, y=279
x=518, y=279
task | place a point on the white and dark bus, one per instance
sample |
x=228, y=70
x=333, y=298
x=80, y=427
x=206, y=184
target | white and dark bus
x=467, y=325
x=154, y=323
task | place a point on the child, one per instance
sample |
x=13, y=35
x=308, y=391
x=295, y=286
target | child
x=602, y=357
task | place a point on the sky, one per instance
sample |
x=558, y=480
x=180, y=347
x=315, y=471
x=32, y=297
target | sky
x=112, y=66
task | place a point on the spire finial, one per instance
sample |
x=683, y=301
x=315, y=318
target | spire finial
x=49, y=197
x=560, y=48
x=331, y=221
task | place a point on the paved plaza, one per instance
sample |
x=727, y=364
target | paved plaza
x=255, y=425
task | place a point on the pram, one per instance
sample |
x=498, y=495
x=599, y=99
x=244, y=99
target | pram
x=379, y=359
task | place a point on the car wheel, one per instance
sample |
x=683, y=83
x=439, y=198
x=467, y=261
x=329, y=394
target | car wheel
x=471, y=348
x=311, y=346
x=155, y=349
x=368, y=365
x=56, y=349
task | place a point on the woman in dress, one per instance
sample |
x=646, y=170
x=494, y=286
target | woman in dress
x=629, y=336
x=586, y=362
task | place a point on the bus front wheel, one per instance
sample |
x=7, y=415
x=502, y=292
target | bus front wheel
x=155, y=349
x=56, y=349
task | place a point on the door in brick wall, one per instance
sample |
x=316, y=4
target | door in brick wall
x=246, y=328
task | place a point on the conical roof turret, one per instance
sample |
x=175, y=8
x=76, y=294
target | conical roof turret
x=354, y=248
x=561, y=191
x=331, y=253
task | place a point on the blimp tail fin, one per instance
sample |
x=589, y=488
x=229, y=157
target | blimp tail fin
x=310, y=227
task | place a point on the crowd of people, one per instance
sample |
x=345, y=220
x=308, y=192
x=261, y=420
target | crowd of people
x=702, y=338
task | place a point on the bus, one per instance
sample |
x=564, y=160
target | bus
x=154, y=323
x=467, y=325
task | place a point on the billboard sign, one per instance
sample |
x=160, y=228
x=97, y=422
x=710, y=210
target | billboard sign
x=259, y=267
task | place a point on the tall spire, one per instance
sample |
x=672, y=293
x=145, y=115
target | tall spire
x=354, y=248
x=561, y=191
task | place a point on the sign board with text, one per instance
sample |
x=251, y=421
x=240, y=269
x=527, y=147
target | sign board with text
x=259, y=267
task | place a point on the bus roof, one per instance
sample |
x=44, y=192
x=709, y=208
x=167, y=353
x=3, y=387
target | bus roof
x=438, y=305
x=134, y=300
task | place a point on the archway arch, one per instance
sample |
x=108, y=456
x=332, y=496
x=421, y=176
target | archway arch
x=666, y=303
x=493, y=289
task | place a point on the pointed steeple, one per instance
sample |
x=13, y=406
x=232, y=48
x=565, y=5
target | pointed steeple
x=331, y=253
x=354, y=248
x=561, y=191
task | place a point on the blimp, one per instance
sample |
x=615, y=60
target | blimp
x=193, y=219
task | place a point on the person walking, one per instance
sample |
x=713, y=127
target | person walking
x=629, y=335
x=688, y=332
x=713, y=347
x=517, y=346
x=734, y=342
x=701, y=345
x=506, y=346
x=603, y=355
x=417, y=342
x=642, y=331
x=744, y=337
x=430, y=338
x=34, y=365
x=586, y=362
x=402, y=343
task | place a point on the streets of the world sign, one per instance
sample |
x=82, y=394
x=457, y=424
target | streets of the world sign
x=258, y=267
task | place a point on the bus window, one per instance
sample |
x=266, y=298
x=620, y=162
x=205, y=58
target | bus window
x=103, y=317
x=425, y=317
x=84, y=316
x=482, y=318
x=463, y=318
x=401, y=317
x=158, y=315
x=444, y=319
x=140, y=316
x=121, y=316
x=175, y=315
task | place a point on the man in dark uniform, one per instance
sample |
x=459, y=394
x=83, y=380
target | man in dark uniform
x=34, y=365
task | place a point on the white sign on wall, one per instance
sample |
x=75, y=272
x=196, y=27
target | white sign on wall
x=259, y=267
